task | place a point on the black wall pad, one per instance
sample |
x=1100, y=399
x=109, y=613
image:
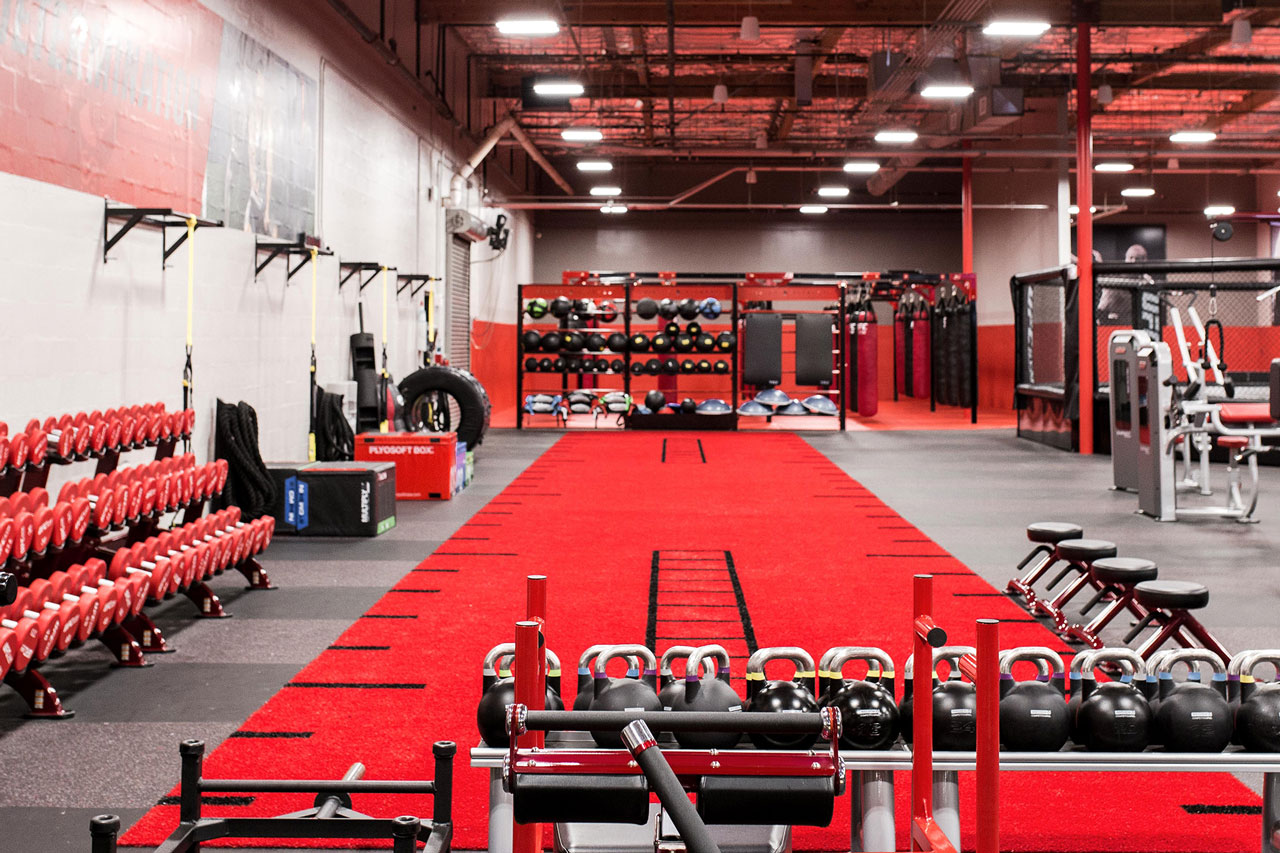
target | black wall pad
x=762, y=350
x=813, y=349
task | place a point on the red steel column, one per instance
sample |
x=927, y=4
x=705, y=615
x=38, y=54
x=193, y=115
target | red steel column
x=988, y=769
x=966, y=214
x=1084, y=229
x=530, y=692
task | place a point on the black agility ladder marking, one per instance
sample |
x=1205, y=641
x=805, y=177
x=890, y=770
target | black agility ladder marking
x=210, y=800
x=413, y=590
x=681, y=450
x=272, y=734
x=666, y=580
x=1202, y=808
x=451, y=571
x=359, y=648
x=355, y=685
x=389, y=616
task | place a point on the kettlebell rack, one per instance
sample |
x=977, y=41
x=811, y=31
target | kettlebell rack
x=935, y=775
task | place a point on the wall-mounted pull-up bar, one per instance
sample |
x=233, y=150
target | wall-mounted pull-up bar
x=275, y=247
x=407, y=280
x=163, y=218
x=352, y=268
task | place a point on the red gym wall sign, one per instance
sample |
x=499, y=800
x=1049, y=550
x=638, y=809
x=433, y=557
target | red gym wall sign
x=111, y=97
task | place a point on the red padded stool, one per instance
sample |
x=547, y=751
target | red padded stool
x=1169, y=605
x=1117, y=577
x=1079, y=555
x=1046, y=535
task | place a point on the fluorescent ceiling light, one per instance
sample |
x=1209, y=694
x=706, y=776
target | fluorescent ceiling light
x=1105, y=94
x=606, y=190
x=613, y=208
x=581, y=134
x=833, y=192
x=1241, y=31
x=528, y=27
x=1216, y=210
x=1016, y=28
x=720, y=94
x=813, y=208
x=750, y=30
x=1193, y=136
x=898, y=136
x=946, y=90
x=1138, y=192
x=1075, y=208
x=1113, y=167
x=558, y=88
x=862, y=167
x=595, y=166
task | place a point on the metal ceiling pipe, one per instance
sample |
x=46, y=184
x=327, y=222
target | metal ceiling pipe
x=536, y=155
x=664, y=206
x=945, y=154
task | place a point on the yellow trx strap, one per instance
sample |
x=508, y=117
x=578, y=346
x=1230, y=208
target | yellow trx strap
x=311, y=431
x=191, y=289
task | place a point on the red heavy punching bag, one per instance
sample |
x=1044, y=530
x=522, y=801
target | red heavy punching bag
x=922, y=353
x=900, y=322
x=865, y=345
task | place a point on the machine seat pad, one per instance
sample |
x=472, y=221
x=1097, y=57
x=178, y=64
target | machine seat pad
x=1171, y=595
x=1085, y=550
x=1245, y=413
x=1053, y=532
x=1124, y=570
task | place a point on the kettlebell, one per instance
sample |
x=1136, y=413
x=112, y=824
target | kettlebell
x=498, y=690
x=869, y=717
x=1033, y=714
x=955, y=703
x=1258, y=718
x=1113, y=716
x=623, y=694
x=668, y=685
x=1193, y=716
x=773, y=697
x=586, y=687
x=703, y=693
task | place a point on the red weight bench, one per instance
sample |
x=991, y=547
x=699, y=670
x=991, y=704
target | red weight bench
x=1169, y=605
x=1079, y=555
x=1117, y=578
x=1046, y=535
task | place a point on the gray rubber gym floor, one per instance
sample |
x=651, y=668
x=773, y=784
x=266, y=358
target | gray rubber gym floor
x=972, y=492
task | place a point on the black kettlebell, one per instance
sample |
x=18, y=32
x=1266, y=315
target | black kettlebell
x=639, y=343
x=595, y=342
x=1033, y=714
x=1113, y=716
x=661, y=342
x=498, y=690
x=955, y=703
x=781, y=697
x=655, y=400
x=586, y=684
x=869, y=716
x=617, y=342
x=706, y=693
x=551, y=342
x=1258, y=717
x=688, y=308
x=623, y=694
x=531, y=340
x=1193, y=716
x=668, y=685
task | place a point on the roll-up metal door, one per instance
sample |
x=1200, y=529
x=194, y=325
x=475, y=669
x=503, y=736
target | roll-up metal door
x=458, y=294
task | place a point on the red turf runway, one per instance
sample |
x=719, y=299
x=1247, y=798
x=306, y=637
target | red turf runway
x=757, y=539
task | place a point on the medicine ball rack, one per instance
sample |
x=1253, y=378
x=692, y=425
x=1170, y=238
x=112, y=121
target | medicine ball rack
x=951, y=344
x=935, y=803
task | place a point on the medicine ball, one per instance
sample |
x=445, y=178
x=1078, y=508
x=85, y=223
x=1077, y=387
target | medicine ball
x=667, y=309
x=721, y=366
x=704, y=342
x=573, y=342
x=617, y=366
x=655, y=400
x=684, y=342
x=688, y=309
x=545, y=365
x=671, y=366
x=551, y=342
x=558, y=365
x=687, y=366
x=704, y=366
x=710, y=308
x=725, y=341
x=600, y=365
x=595, y=342
x=583, y=306
x=617, y=342
x=607, y=311
x=637, y=367
x=561, y=306
x=647, y=309
x=532, y=341
x=694, y=329
x=653, y=367
x=661, y=342
x=531, y=365
x=687, y=406
x=573, y=364
x=537, y=308
x=639, y=343
x=672, y=329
